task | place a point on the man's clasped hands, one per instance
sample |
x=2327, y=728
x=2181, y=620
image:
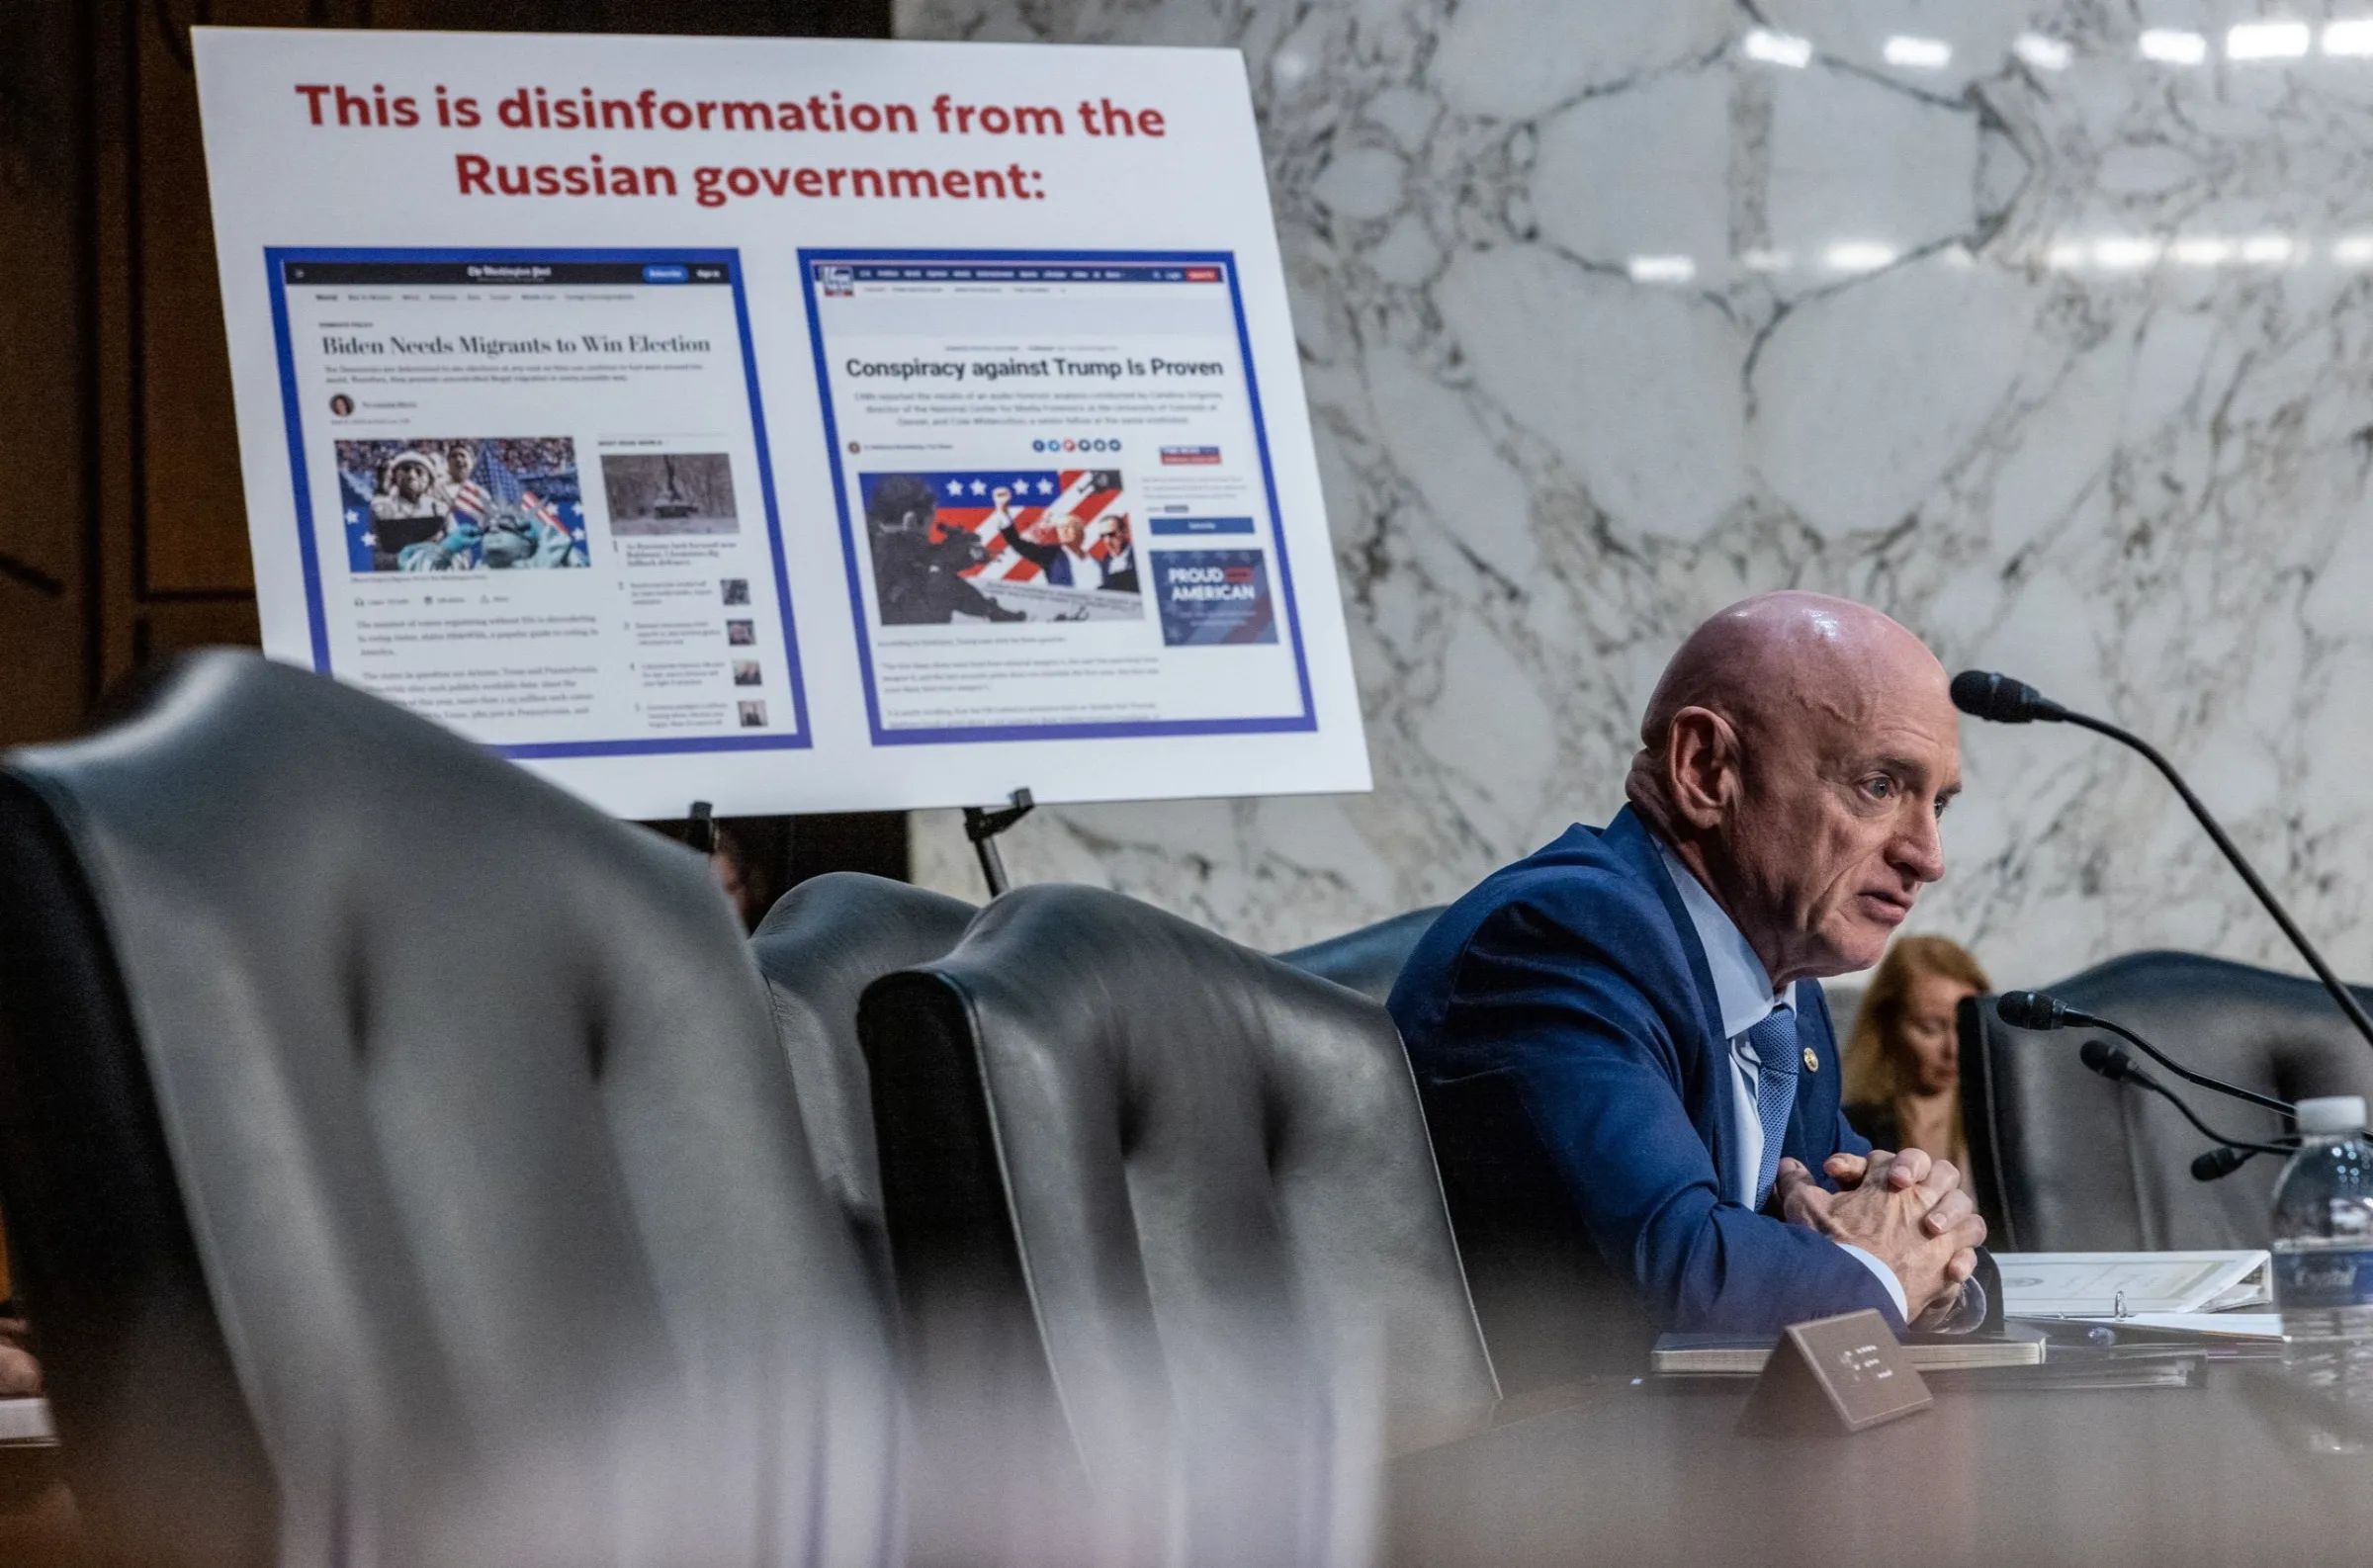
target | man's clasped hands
x=1905, y=1209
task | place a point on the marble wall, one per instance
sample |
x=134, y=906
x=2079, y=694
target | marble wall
x=2047, y=327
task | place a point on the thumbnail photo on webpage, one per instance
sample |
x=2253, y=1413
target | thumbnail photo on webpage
x=463, y=504
x=664, y=495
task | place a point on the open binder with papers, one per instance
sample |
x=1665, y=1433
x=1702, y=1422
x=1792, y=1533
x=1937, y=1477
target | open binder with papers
x=2117, y=1285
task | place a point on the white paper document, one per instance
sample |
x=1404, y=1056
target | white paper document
x=2123, y=1284
x=533, y=496
x=2208, y=1324
x=791, y=424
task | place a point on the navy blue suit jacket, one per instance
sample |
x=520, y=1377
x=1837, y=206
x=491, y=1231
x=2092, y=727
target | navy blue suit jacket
x=1572, y=987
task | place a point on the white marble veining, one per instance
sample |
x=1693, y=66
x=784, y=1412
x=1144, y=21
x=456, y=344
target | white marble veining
x=2047, y=327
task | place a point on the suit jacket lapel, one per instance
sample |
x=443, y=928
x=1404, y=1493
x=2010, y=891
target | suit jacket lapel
x=1811, y=1124
x=1704, y=1050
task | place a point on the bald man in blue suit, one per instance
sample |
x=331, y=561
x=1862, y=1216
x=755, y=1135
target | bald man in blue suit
x=1639, y=1004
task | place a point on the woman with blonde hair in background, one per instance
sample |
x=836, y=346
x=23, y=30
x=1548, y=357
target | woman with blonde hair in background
x=1903, y=1087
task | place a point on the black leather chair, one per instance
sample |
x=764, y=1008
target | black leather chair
x=1169, y=1243
x=821, y=945
x=1369, y=959
x=1553, y=1311
x=2065, y=1161
x=398, y=1163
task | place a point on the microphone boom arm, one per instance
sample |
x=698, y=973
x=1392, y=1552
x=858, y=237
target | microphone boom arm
x=2265, y=896
x=2197, y=1080
x=2206, y=1131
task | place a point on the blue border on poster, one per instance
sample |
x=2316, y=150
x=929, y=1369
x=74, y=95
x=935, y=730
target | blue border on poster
x=1306, y=721
x=309, y=551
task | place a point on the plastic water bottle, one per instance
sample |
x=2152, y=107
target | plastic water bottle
x=2324, y=1251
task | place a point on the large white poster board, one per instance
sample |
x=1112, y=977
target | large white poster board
x=799, y=425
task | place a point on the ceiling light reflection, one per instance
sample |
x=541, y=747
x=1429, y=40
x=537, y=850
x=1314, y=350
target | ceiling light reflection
x=2045, y=55
x=1923, y=54
x=2353, y=250
x=2135, y=252
x=1662, y=269
x=2169, y=46
x=1859, y=255
x=1764, y=260
x=1776, y=49
x=2126, y=254
x=2348, y=39
x=2267, y=40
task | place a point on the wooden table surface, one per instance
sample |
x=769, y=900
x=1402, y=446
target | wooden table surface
x=2237, y=1472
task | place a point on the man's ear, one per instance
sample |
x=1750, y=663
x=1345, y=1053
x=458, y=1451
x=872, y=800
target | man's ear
x=1701, y=766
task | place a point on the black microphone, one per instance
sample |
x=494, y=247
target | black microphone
x=2217, y=1163
x=2031, y=1009
x=2116, y=1065
x=2113, y=1063
x=2034, y=1009
x=1982, y=694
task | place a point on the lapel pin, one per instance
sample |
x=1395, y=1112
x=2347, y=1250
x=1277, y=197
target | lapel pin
x=1812, y=1063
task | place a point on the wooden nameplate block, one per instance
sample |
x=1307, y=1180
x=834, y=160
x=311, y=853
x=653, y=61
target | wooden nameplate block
x=1834, y=1374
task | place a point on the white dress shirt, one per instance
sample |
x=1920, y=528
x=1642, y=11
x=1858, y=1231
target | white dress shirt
x=1744, y=991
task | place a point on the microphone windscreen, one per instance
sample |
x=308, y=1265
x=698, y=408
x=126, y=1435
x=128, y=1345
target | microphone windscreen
x=2105, y=1059
x=2027, y=1009
x=1985, y=694
x=2217, y=1162
x=1977, y=693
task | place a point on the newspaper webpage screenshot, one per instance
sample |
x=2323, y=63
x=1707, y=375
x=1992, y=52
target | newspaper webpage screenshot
x=533, y=496
x=1055, y=496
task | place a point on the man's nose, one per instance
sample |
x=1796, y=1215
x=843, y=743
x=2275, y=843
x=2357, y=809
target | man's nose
x=1919, y=850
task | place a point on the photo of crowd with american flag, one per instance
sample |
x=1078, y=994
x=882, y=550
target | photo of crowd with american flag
x=495, y=504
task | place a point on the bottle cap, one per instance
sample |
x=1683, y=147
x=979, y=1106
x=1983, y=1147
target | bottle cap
x=2333, y=1115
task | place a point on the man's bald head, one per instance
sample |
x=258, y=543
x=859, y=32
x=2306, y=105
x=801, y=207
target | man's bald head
x=1795, y=754
x=1783, y=658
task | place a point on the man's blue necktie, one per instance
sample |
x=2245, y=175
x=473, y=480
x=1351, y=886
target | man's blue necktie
x=1774, y=1043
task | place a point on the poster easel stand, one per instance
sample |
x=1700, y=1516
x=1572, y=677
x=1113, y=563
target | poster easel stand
x=983, y=823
